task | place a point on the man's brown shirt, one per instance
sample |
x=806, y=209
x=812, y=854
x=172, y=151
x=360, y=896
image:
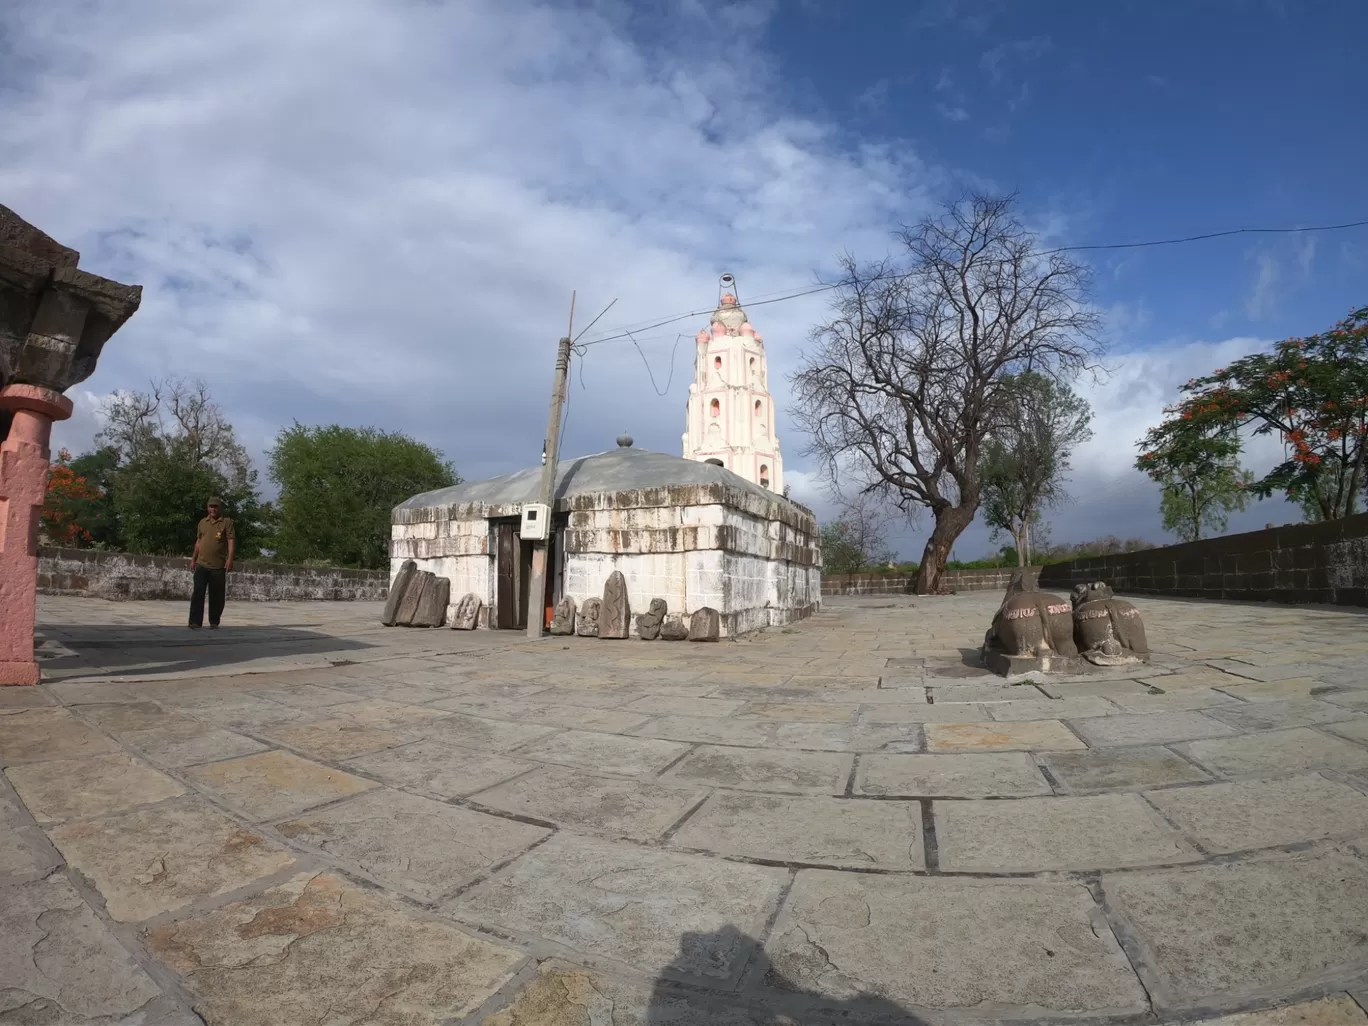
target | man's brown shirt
x=213, y=536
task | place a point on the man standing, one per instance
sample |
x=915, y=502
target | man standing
x=210, y=563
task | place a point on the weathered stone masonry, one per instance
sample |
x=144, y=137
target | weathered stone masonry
x=1326, y=563
x=120, y=575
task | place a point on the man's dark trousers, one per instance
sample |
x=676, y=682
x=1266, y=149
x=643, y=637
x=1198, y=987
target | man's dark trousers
x=214, y=581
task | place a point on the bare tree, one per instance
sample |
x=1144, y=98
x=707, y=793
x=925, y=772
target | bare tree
x=178, y=419
x=905, y=382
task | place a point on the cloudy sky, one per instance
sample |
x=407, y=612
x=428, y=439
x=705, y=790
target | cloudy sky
x=373, y=212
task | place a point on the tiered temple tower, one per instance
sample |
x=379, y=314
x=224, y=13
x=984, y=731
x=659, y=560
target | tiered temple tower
x=730, y=419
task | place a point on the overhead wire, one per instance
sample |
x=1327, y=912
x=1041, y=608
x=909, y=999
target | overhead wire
x=799, y=292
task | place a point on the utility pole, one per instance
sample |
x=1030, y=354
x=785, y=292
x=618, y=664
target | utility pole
x=536, y=592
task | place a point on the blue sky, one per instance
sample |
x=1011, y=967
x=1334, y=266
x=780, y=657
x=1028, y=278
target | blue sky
x=374, y=211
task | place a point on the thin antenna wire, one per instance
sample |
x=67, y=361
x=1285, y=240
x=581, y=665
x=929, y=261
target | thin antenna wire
x=595, y=320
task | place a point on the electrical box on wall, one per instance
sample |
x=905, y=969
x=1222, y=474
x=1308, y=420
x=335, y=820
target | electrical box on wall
x=536, y=522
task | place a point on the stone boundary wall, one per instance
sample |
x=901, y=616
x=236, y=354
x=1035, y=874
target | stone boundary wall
x=1323, y=563
x=901, y=584
x=121, y=575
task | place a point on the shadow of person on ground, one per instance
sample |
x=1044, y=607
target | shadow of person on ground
x=68, y=652
x=762, y=994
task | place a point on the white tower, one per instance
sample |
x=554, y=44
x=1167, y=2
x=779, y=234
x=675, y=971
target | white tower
x=730, y=420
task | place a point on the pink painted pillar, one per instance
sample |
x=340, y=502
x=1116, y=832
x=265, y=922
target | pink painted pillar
x=24, y=462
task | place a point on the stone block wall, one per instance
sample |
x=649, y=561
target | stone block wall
x=1325, y=563
x=901, y=584
x=119, y=575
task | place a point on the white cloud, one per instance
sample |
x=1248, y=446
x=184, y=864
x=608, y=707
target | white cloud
x=1263, y=297
x=375, y=213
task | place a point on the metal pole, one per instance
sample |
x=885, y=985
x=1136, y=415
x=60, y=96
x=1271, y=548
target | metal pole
x=536, y=593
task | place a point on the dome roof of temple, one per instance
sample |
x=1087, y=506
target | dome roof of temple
x=617, y=470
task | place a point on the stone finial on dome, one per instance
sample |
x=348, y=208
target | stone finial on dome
x=624, y=440
x=702, y=336
x=729, y=315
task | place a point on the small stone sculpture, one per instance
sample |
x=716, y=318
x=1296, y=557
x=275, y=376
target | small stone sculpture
x=615, y=613
x=674, y=628
x=705, y=625
x=432, y=604
x=648, y=623
x=586, y=623
x=407, y=572
x=1108, y=630
x=563, y=623
x=467, y=612
x=1032, y=630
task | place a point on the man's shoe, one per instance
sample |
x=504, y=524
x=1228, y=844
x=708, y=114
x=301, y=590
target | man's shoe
x=194, y=626
x=213, y=626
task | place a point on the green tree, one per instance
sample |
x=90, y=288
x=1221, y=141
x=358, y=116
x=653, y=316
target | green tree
x=1027, y=455
x=338, y=487
x=1199, y=475
x=174, y=448
x=1311, y=392
x=99, y=517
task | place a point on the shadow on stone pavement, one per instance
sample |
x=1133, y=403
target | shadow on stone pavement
x=74, y=651
x=766, y=997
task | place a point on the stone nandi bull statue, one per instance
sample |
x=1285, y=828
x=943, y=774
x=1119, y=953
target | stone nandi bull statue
x=1035, y=630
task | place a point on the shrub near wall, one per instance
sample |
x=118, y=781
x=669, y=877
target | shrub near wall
x=120, y=575
x=1325, y=562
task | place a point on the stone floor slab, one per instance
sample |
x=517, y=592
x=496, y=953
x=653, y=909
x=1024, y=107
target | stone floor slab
x=981, y=945
x=1173, y=701
x=707, y=730
x=1029, y=735
x=1354, y=730
x=14, y=700
x=318, y=951
x=174, y=746
x=883, y=713
x=596, y=804
x=272, y=784
x=1105, y=688
x=1218, y=933
x=838, y=832
x=753, y=769
x=121, y=717
x=1152, y=728
x=1272, y=690
x=382, y=714
x=651, y=910
x=683, y=705
x=800, y=712
x=1042, y=708
x=479, y=732
x=841, y=737
x=158, y=858
x=60, y=964
x=335, y=739
x=439, y=769
x=68, y=788
x=1336, y=1010
x=35, y=735
x=25, y=852
x=950, y=775
x=1071, y=833
x=1293, y=712
x=419, y=845
x=305, y=696
x=1263, y=813
x=1121, y=769
x=1277, y=751
x=609, y=753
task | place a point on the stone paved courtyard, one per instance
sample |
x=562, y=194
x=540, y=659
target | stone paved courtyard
x=306, y=818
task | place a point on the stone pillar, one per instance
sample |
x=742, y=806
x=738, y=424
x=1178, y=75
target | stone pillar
x=24, y=463
x=54, y=320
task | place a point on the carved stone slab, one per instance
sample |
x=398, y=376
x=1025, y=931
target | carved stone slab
x=674, y=628
x=402, y=580
x=705, y=625
x=413, y=595
x=615, y=614
x=432, y=604
x=467, y=612
x=563, y=622
x=648, y=623
x=587, y=623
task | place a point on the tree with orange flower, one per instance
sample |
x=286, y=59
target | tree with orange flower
x=67, y=497
x=1311, y=392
